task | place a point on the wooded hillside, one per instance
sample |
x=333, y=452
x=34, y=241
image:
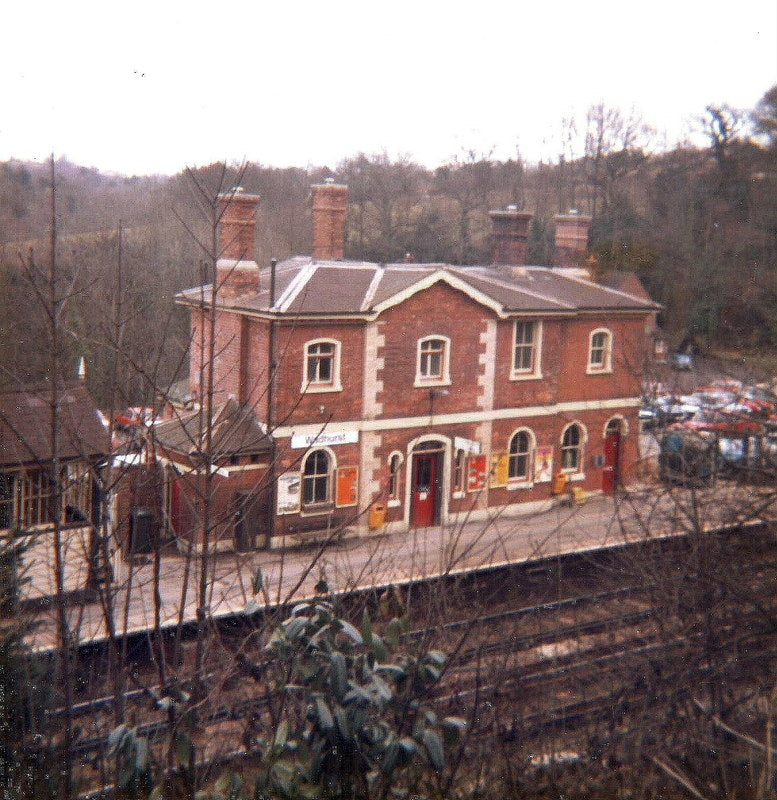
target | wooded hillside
x=698, y=225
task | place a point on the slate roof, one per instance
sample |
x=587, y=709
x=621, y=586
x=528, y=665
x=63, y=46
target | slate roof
x=235, y=430
x=625, y=282
x=25, y=426
x=346, y=288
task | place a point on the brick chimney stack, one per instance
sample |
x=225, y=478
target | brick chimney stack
x=330, y=202
x=509, y=237
x=571, y=239
x=237, y=270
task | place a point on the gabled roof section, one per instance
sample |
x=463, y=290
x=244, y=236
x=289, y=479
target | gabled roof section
x=439, y=275
x=309, y=288
x=25, y=426
x=235, y=430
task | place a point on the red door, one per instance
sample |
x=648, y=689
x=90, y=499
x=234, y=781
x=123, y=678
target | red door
x=425, y=488
x=611, y=472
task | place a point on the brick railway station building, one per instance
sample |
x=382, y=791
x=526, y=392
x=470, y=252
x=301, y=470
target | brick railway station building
x=437, y=392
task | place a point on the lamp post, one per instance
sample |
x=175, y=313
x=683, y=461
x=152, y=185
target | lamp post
x=434, y=393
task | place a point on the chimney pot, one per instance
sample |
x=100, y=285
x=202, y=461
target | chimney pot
x=237, y=270
x=330, y=203
x=509, y=236
x=571, y=238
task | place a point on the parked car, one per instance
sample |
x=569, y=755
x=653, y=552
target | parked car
x=659, y=411
x=687, y=457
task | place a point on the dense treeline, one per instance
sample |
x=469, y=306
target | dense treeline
x=697, y=224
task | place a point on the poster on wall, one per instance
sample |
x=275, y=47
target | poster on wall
x=543, y=465
x=347, y=483
x=500, y=464
x=289, y=485
x=477, y=473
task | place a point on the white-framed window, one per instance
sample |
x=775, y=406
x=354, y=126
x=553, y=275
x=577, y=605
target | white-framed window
x=433, y=362
x=600, y=351
x=321, y=366
x=572, y=443
x=527, y=349
x=317, y=471
x=395, y=477
x=520, y=456
x=27, y=498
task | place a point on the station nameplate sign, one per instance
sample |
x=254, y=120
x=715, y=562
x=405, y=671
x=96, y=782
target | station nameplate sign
x=324, y=439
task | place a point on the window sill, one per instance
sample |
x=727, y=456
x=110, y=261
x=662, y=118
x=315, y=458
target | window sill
x=511, y=487
x=459, y=495
x=394, y=503
x=431, y=383
x=598, y=370
x=321, y=388
x=525, y=376
x=574, y=476
x=317, y=510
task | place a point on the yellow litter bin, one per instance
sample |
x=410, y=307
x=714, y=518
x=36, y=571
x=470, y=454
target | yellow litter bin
x=377, y=516
x=560, y=481
x=579, y=495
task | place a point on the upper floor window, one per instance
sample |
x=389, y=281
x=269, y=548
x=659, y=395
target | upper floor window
x=433, y=364
x=520, y=456
x=317, y=478
x=526, y=349
x=600, y=351
x=322, y=366
x=572, y=448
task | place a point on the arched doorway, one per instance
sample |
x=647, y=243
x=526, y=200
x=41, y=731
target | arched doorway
x=426, y=483
x=611, y=472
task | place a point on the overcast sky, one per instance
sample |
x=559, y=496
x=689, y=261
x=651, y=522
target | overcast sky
x=146, y=87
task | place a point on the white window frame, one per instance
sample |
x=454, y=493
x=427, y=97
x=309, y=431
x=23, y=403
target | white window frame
x=606, y=364
x=520, y=481
x=444, y=378
x=459, y=469
x=576, y=472
x=318, y=387
x=318, y=506
x=395, y=477
x=523, y=374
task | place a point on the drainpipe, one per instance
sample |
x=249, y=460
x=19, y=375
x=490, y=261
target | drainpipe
x=271, y=499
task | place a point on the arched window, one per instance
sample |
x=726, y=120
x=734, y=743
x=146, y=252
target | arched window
x=321, y=368
x=520, y=456
x=459, y=472
x=433, y=361
x=614, y=425
x=317, y=478
x=600, y=351
x=572, y=448
x=395, y=468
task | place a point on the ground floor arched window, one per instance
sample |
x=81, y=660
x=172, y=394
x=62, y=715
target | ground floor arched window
x=317, y=478
x=519, y=460
x=572, y=448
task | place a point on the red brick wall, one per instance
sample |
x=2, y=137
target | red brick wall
x=257, y=369
x=241, y=354
x=293, y=408
x=439, y=310
x=627, y=360
x=221, y=511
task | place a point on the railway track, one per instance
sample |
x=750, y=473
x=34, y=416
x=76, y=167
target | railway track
x=593, y=656
x=534, y=657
